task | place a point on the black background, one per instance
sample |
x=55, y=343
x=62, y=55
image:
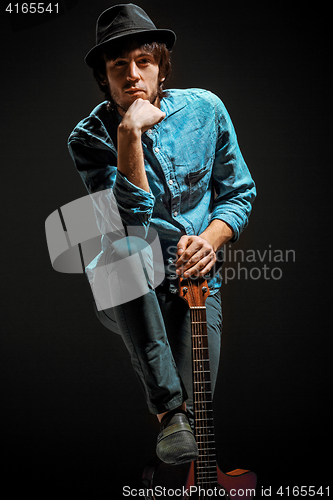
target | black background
x=73, y=417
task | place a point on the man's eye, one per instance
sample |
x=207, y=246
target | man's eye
x=120, y=63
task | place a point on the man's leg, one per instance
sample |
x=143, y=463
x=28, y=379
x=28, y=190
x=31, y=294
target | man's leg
x=141, y=325
x=176, y=320
x=176, y=316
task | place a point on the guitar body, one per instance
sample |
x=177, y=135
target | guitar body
x=178, y=481
x=202, y=479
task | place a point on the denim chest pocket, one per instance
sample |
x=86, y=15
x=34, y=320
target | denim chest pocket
x=196, y=182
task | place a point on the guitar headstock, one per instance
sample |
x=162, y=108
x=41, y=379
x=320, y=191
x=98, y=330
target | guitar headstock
x=193, y=290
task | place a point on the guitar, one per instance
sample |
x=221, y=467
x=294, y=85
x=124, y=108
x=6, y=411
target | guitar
x=202, y=479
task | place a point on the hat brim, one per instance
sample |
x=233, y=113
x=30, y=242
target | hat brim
x=157, y=35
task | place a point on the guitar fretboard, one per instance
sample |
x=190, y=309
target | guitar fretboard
x=206, y=466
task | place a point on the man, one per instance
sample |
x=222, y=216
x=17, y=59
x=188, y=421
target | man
x=171, y=162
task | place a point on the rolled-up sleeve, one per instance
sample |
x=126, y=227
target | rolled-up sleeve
x=135, y=204
x=96, y=162
x=234, y=186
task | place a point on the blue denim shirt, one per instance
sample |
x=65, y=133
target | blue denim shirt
x=194, y=167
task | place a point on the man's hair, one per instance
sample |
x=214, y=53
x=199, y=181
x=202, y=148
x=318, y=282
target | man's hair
x=160, y=52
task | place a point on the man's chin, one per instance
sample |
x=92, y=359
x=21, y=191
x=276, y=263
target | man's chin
x=124, y=105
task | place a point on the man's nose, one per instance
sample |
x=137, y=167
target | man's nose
x=133, y=72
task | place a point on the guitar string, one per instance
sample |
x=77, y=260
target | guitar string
x=204, y=386
x=195, y=375
x=200, y=357
x=197, y=355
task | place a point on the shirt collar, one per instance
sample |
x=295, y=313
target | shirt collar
x=172, y=103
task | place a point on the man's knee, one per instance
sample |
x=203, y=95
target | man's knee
x=126, y=247
x=129, y=263
x=126, y=254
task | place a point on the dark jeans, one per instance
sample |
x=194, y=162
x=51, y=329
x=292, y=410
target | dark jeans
x=156, y=330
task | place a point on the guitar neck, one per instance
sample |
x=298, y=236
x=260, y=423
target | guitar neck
x=202, y=393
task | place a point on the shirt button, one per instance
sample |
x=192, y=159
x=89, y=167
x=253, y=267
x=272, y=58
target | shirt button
x=170, y=182
x=157, y=150
x=175, y=214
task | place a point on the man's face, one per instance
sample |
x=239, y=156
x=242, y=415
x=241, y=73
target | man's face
x=132, y=75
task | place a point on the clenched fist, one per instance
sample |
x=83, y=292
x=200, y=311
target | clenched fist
x=141, y=116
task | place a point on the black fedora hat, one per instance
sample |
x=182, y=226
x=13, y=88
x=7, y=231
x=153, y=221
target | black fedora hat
x=125, y=20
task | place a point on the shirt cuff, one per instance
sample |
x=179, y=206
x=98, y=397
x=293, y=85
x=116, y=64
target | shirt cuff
x=135, y=204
